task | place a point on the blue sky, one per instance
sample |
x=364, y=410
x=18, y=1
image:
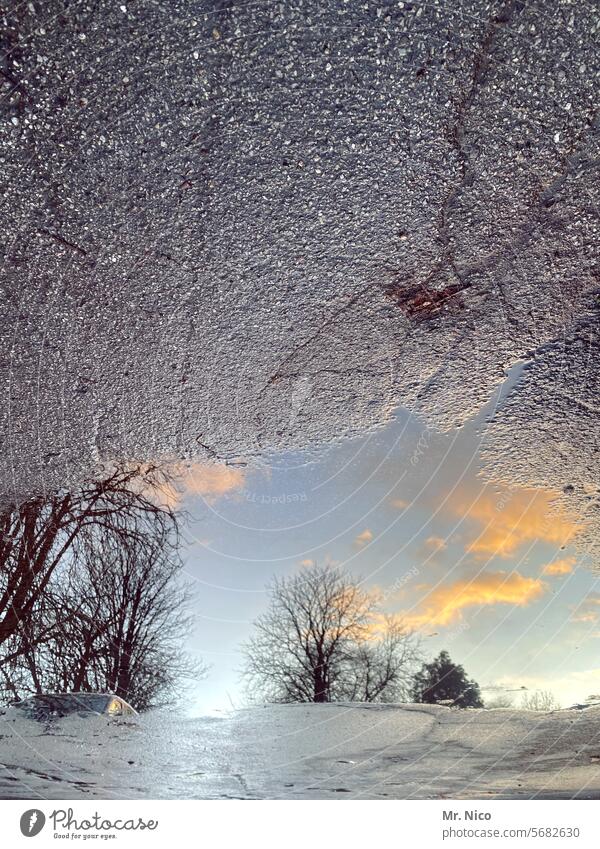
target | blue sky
x=487, y=572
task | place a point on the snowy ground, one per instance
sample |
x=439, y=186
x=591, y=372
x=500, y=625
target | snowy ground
x=308, y=751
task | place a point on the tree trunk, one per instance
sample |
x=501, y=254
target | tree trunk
x=321, y=690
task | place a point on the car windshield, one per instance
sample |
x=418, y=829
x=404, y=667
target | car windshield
x=62, y=705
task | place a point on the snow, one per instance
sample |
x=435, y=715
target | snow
x=332, y=751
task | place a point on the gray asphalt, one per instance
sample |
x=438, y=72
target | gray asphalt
x=235, y=228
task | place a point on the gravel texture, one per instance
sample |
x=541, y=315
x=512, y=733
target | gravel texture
x=232, y=228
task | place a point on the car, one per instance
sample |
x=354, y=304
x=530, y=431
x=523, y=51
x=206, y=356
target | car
x=49, y=706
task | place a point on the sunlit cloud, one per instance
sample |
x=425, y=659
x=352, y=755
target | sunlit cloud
x=307, y=563
x=444, y=604
x=504, y=523
x=431, y=549
x=399, y=503
x=435, y=544
x=590, y=616
x=560, y=567
x=211, y=481
x=588, y=610
x=364, y=538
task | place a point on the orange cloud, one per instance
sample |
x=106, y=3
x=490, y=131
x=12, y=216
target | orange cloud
x=560, y=567
x=445, y=604
x=435, y=544
x=307, y=563
x=363, y=538
x=212, y=480
x=509, y=521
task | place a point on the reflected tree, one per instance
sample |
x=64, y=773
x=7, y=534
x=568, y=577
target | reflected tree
x=318, y=642
x=444, y=682
x=91, y=592
x=542, y=700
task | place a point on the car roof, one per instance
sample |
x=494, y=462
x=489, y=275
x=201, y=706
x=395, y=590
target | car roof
x=79, y=696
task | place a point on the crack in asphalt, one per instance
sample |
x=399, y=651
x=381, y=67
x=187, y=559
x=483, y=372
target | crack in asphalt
x=64, y=242
x=456, y=134
x=279, y=375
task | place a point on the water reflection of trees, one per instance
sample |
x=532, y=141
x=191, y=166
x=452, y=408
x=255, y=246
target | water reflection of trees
x=91, y=596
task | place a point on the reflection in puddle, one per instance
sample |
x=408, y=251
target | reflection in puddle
x=492, y=570
x=91, y=597
x=155, y=581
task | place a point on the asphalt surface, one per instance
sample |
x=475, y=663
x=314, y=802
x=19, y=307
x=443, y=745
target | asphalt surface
x=236, y=228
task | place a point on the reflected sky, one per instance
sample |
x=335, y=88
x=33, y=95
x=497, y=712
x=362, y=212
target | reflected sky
x=489, y=572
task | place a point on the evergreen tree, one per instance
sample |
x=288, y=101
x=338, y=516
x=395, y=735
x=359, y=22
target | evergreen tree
x=444, y=681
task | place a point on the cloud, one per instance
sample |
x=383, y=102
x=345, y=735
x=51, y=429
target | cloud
x=504, y=523
x=588, y=610
x=307, y=563
x=444, y=604
x=212, y=481
x=399, y=503
x=363, y=538
x=582, y=616
x=431, y=549
x=209, y=480
x=435, y=544
x=560, y=567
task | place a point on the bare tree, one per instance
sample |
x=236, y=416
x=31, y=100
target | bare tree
x=36, y=535
x=382, y=668
x=316, y=643
x=129, y=618
x=542, y=700
x=142, y=621
x=110, y=611
x=502, y=700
